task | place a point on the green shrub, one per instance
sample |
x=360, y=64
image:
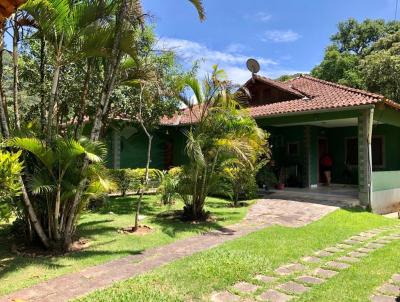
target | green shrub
x=169, y=185
x=10, y=171
x=132, y=179
x=266, y=177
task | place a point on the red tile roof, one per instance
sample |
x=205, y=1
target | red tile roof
x=313, y=94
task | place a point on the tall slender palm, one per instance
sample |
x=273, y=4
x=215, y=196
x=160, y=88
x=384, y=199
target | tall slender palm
x=220, y=132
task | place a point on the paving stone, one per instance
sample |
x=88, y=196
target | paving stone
x=348, y=259
x=359, y=238
x=293, y=287
x=374, y=245
x=274, y=296
x=389, y=289
x=265, y=279
x=364, y=250
x=324, y=273
x=382, y=298
x=309, y=280
x=337, y=265
x=396, y=278
x=289, y=269
x=367, y=234
x=323, y=254
x=344, y=246
x=246, y=287
x=351, y=241
x=382, y=241
x=224, y=297
x=333, y=250
x=311, y=259
x=357, y=254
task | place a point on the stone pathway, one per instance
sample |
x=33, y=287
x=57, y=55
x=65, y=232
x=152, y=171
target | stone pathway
x=292, y=280
x=264, y=213
x=388, y=292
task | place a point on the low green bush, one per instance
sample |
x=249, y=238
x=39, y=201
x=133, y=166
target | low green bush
x=169, y=185
x=132, y=179
x=10, y=171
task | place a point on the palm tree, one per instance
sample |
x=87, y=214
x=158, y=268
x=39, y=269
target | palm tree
x=53, y=178
x=220, y=133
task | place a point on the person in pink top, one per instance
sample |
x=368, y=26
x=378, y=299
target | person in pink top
x=326, y=165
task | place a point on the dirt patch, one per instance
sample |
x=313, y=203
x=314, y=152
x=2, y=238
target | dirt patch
x=37, y=251
x=80, y=244
x=141, y=230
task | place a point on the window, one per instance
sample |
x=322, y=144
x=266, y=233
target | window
x=293, y=148
x=377, y=151
x=377, y=148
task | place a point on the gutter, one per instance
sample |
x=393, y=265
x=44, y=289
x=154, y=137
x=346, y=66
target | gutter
x=316, y=111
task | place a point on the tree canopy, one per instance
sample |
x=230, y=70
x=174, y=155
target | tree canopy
x=363, y=55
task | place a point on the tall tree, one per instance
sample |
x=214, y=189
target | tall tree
x=349, y=60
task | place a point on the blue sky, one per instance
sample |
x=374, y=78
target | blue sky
x=286, y=36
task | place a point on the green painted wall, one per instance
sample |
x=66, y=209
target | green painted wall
x=391, y=135
x=385, y=180
x=134, y=150
x=179, y=143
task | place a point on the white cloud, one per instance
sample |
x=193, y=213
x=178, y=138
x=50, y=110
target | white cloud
x=280, y=36
x=232, y=60
x=263, y=16
x=192, y=51
x=236, y=48
x=259, y=17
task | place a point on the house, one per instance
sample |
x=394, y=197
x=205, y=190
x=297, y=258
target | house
x=306, y=117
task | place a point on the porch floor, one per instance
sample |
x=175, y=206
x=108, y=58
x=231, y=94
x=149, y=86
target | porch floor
x=338, y=195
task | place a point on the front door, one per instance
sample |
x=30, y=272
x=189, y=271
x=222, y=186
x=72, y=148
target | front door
x=322, y=150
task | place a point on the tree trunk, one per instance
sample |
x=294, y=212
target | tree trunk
x=52, y=101
x=82, y=104
x=57, y=212
x=32, y=215
x=146, y=178
x=42, y=83
x=16, y=73
x=108, y=86
x=3, y=115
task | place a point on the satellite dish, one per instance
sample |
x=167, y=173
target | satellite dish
x=253, y=65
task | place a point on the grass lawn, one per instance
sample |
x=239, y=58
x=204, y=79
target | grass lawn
x=194, y=278
x=101, y=228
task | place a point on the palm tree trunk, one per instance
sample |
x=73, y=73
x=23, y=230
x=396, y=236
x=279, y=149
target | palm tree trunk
x=82, y=105
x=32, y=215
x=53, y=96
x=42, y=82
x=57, y=212
x=16, y=73
x=108, y=87
x=3, y=115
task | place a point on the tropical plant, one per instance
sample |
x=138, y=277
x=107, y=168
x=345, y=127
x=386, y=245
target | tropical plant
x=51, y=179
x=73, y=52
x=242, y=177
x=10, y=187
x=221, y=132
x=169, y=185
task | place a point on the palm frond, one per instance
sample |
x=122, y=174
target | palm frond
x=198, y=4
